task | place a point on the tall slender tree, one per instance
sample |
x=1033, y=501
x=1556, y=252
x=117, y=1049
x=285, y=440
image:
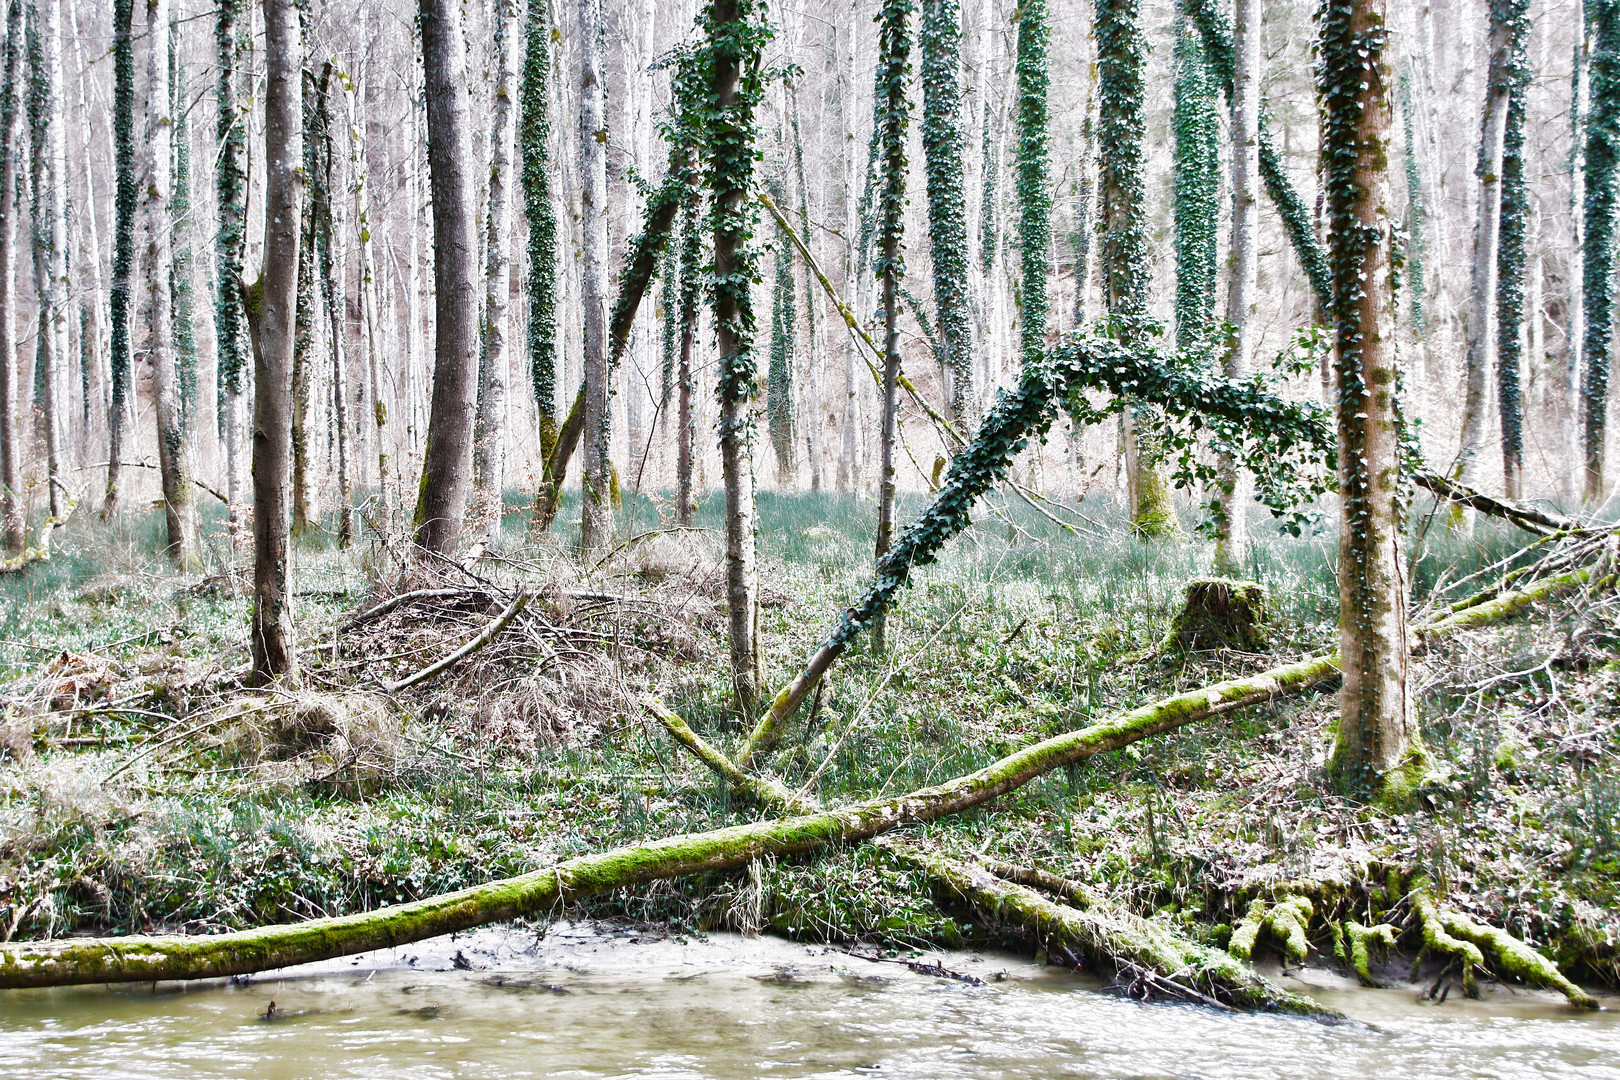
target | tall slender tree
x=596, y=473
x=1602, y=199
x=534, y=131
x=736, y=33
x=230, y=179
x=1515, y=213
x=1233, y=483
x=489, y=453
x=944, y=141
x=12, y=524
x=49, y=213
x=182, y=273
x=442, y=503
x=690, y=308
x=274, y=300
x=328, y=237
x=1488, y=171
x=779, y=376
x=361, y=191
x=1121, y=63
x=894, y=112
x=123, y=242
x=1377, y=742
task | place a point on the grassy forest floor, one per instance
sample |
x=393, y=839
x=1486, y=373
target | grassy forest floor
x=141, y=789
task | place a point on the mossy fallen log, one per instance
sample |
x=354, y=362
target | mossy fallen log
x=1151, y=959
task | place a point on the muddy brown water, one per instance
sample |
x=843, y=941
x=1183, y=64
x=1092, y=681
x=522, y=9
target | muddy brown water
x=596, y=1002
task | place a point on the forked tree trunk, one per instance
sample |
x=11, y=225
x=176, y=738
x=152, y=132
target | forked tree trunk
x=13, y=527
x=1377, y=738
x=489, y=454
x=596, y=510
x=272, y=312
x=1242, y=291
x=446, y=461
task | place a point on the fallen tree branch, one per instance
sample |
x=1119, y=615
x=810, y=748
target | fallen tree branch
x=1527, y=518
x=372, y=614
x=485, y=636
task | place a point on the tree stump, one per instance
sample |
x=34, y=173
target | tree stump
x=1220, y=613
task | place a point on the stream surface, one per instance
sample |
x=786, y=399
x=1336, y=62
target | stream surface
x=590, y=1001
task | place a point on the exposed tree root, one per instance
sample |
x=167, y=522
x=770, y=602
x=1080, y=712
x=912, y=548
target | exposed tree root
x=1152, y=960
x=1353, y=946
x=1286, y=922
x=1449, y=933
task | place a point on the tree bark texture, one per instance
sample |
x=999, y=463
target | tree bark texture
x=489, y=454
x=123, y=242
x=441, y=504
x=274, y=302
x=13, y=527
x=596, y=509
x=1377, y=730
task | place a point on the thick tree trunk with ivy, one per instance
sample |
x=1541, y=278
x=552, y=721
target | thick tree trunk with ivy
x=230, y=322
x=13, y=527
x=1511, y=244
x=1602, y=199
x=1488, y=170
x=944, y=148
x=446, y=462
x=534, y=130
x=1568, y=386
x=1234, y=487
x=736, y=35
x=1377, y=747
x=893, y=71
x=1121, y=65
x=489, y=452
x=273, y=303
x=596, y=472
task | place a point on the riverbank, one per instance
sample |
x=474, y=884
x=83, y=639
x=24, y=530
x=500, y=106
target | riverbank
x=143, y=792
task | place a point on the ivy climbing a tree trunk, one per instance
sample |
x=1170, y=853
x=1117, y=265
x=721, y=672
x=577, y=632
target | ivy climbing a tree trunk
x=230, y=321
x=1121, y=63
x=894, y=109
x=274, y=299
x=1602, y=198
x=1488, y=170
x=1196, y=196
x=124, y=239
x=534, y=131
x=736, y=34
x=1377, y=749
x=441, y=502
x=1510, y=254
x=1242, y=289
x=944, y=141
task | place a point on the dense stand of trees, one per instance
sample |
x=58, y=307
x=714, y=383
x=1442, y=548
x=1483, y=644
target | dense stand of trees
x=399, y=209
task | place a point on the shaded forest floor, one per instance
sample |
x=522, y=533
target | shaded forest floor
x=141, y=789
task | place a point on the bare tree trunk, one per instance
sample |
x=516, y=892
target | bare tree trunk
x=596, y=510
x=13, y=527
x=849, y=455
x=441, y=504
x=1483, y=288
x=271, y=311
x=1377, y=731
x=50, y=240
x=489, y=454
x=1231, y=541
x=368, y=295
x=329, y=238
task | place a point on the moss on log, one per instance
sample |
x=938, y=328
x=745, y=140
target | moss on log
x=1448, y=932
x=1150, y=957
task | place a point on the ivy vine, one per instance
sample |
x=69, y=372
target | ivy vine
x=534, y=132
x=940, y=42
x=1034, y=186
x=1514, y=219
x=1196, y=189
x=1602, y=198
